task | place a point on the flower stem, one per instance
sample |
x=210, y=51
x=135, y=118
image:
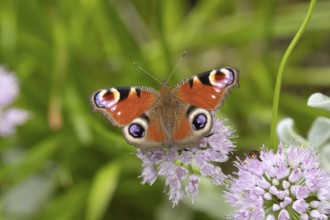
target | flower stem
x=281, y=68
x=191, y=171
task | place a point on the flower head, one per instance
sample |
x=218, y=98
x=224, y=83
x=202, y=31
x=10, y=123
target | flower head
x=176, y=164
x=281, y=185
x=9, y=117
x=9, y=87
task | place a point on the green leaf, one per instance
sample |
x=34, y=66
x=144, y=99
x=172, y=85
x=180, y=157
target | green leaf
x=318, y=100
x=33, y=159
x=77, y=117
x=319, y=133
x=325, y=157
x=102, y=190
x=287, y=134
x=68, y=205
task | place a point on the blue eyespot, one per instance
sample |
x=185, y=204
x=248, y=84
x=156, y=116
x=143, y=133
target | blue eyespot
x=136, y=130
x=199, y=122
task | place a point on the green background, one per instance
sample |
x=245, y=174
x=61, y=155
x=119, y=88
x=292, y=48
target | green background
x=68, y=163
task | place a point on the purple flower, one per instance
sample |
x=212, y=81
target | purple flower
x=182, y=167
x=287, y=184
x=9, y=87
x=9, y=117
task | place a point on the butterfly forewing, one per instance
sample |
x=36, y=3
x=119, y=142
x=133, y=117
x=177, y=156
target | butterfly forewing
x=123, y=104
x=207, y=90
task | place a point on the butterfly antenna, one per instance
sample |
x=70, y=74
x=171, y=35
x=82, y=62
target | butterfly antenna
x=149, y=74
x=176, y=67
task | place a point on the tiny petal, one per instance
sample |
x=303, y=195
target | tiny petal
x=302, y=192
x=149, y=175
x=270, y=217
x=275, y=182
x=295, y=176
x=181, y=172
x=324, y=193
x=172, y=155
x=218, y=177
x=315, y=214
x=264, y=184
x=276, y=207
x=287, y=200
x=193, y=186
x=304, y=216
x=282, y=171
x=314, y=204
x=157, y=156
x=268, y=196
x=293, y=189
x=280, y=195
x=283, y=215
x=324, y=207
x=166, y=168
x=300, y=206
x=273, y=190
x=285, y=184
x=187, y=157
x=324, y=217
x=175, y=194
x=207, y=169
x=258, y=191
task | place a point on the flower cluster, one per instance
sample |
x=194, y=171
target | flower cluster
x=177, y=164
x=9, y=117
x=282, y=185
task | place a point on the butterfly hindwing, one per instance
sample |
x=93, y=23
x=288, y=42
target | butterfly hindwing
x=191, y=126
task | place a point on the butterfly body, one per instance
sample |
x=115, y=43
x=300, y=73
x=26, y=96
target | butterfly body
x=169, y=117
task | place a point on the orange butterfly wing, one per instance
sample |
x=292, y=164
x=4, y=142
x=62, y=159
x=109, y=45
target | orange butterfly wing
x=123, y=104
x=207, y=90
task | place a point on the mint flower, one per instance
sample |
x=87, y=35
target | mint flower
x=282, y=185
x=9, y=117
x=176, y=164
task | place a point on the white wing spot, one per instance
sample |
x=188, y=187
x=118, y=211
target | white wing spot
x=216, y=89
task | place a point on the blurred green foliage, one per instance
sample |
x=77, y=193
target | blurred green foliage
x=67, y=163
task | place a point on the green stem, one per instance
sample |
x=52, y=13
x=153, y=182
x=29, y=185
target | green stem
x=191, y=171
x=281, y=68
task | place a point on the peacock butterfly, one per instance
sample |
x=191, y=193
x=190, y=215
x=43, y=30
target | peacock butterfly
x=180, y=117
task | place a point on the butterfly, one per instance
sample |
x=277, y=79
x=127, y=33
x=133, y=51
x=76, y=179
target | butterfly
x=181, y=117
